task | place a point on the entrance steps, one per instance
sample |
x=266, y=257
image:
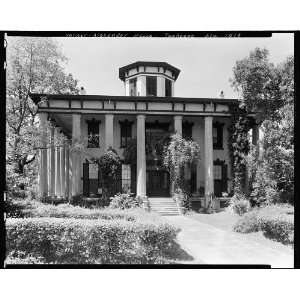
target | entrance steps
x=164, y=206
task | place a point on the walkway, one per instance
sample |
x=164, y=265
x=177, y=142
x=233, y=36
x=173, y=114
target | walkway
x=211, y=245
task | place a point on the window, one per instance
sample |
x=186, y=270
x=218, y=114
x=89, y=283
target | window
x=126, y=178
x=187, y=130
x=168, y=88
x=126, y=133
x=132, y=87
x=93, y=133
x=217, y=172
x=151, y=86
x=218, y=135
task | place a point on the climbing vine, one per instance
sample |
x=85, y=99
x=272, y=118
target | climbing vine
x=239, y=146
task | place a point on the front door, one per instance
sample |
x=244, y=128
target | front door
x=158, y=183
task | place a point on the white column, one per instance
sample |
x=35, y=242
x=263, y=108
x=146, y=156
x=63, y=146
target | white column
x=109, y=131
x=57, y=163
x=208, y=157
x=62, y=169
x=52, y=163
x=161, y=86
x=76, y=156
x=178, y=124
x=67, y=170
x=43, y=182
x=141, y=157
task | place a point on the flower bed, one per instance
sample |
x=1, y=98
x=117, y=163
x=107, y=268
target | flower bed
x=83, y=241
x=275, y=221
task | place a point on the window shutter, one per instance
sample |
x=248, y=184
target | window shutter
x=86, y=181
x=224, y=177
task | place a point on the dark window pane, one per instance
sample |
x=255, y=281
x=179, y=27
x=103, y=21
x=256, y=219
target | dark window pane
x=93, y=134
x=168, y=87
x=151, y=86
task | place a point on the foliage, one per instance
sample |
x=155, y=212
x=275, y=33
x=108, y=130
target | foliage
x=269, y=91
x=274, y=180
x=125, y=201
x=249, y=222
x=34, y=65
x=275, y=221
x=239, y=204
x=81, y=241
x=178, y=154
x=20, y=257
x=257, y=81
x=238, y=144
x=109, y=164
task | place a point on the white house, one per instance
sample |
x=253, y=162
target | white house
x=148, y=112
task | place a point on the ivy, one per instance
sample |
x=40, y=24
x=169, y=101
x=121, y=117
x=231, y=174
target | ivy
x=238, y=145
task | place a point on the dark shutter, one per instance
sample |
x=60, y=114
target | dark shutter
x=86, y=179
x=133, y=178
x=168, y=88
x=224, y=178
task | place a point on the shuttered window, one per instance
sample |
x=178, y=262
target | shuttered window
x=126, y=133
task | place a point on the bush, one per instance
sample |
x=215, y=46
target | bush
x=81, y=241
x=275, y=221
x=125, y=201
x=239, y=204
x=20, y=257
x=248, y=223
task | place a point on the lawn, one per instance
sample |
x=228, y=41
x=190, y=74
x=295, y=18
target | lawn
x=269, y=225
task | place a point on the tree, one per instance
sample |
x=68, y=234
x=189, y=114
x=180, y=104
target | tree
x=269, y=89
x=258, y=83
x=34, y=65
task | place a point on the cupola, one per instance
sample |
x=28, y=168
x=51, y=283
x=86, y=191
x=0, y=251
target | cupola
x=148, y=78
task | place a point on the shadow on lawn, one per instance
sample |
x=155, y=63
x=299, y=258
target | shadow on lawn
x=176, y=254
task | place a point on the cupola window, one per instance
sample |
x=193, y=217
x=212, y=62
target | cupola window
x=151, y=86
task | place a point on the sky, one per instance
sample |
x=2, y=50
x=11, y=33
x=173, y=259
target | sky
x=206, y=63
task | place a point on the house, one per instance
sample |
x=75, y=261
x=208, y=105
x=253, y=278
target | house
x=148, y=113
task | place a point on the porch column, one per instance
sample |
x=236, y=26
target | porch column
x=109, y=131
x=52, y=163
x=62, y=167
x=57, y=163
x=141, y=157
x=43, y=180
x=67, y=169
x=208, y=158
x=76, y=157
x=178, y=124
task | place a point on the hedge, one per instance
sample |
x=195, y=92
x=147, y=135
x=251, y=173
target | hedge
x=275, y=221
x=82, y=241
x=38, y=209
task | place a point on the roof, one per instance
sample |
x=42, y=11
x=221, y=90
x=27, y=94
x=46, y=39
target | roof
x=165, y=65
x=37, y=98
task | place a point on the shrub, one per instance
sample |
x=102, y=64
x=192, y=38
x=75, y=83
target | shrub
x=81, y=241
x=275, y=221
x=248, y=223
x=20, y=257
x=239, y=204
x=125, y=201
